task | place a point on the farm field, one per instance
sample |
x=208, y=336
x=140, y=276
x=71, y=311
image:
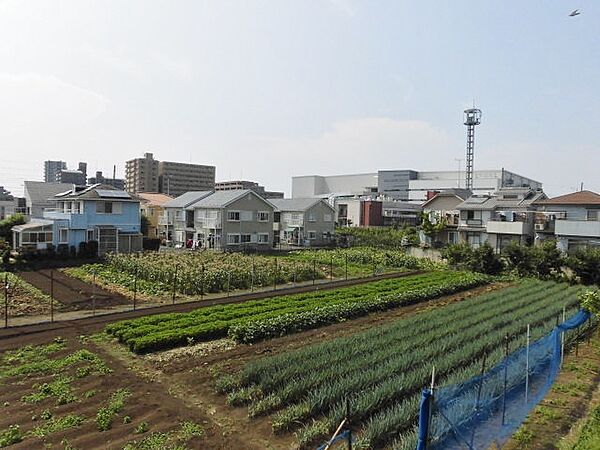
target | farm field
x=198, y=273
x=382, y=371
x=67, y=394
x=23, y=298
x=262, y=319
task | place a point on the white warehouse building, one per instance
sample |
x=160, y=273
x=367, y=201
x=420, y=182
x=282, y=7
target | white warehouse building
x=405, y=184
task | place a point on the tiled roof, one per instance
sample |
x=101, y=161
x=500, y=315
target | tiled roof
x=575, y=198
x=154, y=198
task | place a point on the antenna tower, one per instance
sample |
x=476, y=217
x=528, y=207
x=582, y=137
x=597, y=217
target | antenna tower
x=472, y=118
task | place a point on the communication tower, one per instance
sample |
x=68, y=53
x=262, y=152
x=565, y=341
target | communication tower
x=472, y=118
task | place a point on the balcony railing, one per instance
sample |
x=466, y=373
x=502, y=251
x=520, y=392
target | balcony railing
x=581, y=228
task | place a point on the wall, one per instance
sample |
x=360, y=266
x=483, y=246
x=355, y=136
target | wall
x=249, y=202
x=319, y=225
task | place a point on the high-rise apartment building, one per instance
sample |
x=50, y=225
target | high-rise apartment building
x=141, y=174
x=52, y=170
x=244, y=184
x=171, y=178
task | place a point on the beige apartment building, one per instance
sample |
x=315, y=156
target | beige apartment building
x=172, y=178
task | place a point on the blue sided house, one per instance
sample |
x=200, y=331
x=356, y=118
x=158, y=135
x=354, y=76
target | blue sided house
x=98, y=217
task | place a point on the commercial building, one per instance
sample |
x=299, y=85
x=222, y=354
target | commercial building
x=172, y=178
x=305, y=222
x=52, y=170
x=244, y=184
x=406, y=185
x=573, y=220
x=117, y=183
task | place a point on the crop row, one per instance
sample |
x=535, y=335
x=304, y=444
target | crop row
x=254, y=320
x=382, y=371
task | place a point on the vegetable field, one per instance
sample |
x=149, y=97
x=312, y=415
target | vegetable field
x=23, y=298
x=262, y=319
x=379, y=374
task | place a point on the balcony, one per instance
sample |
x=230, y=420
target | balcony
x=582, y=228
x=503, y=227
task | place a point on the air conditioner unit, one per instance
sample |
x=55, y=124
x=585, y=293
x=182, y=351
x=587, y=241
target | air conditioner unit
x=540, y=226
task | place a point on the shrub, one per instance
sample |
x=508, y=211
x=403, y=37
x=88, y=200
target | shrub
x=482, y=259
x=586, y=265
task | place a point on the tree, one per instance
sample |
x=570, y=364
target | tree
x=7, y=224
x=483, y=259
x=144, y=224
x=586, y=265
x=431, y=229
x=590, y=300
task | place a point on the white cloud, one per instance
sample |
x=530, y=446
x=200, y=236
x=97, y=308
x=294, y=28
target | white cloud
x=33, y=103
x=346, y=6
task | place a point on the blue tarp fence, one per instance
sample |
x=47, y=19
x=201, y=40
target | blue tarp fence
x=489, y=408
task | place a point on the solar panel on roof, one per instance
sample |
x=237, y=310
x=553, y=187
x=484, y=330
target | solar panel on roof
x=112, y=194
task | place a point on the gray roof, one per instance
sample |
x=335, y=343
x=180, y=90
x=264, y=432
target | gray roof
x=220, y=199
x=296, y=204
x=95, y=191
x=40, y=192
x=33, y=223
x=400, y=205
x=187, y=199
x=497, y=201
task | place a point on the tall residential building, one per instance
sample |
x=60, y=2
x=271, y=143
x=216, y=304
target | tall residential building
x=141, y=174
x=172, y=178
x=411, y=185
x=52, y=170
x=244, y=184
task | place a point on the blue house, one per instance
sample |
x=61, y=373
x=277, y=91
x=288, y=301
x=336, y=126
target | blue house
x=98, y=213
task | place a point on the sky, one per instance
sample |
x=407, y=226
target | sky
x=265, y=90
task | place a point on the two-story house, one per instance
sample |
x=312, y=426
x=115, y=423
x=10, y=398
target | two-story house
x=233, y=220
x=176, y=225
x=443, y=206
x=500, y=218
x=99, y=213
x=151, y=206
x=306, y=222
x=572, y=219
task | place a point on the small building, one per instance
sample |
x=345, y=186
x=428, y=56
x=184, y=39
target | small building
x=233, y=220
x=572, y=219
x=305, y=222
x=151, y=206
x=99, y=213
x=400, y=213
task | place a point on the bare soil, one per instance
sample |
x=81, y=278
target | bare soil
x=71, y=293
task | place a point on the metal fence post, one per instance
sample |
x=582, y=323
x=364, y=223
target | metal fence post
x=228, y=282
x=135, y=276
x=174, y=284
x=252, y=275
x=346, y=266
x=348, y=424
x=94, y=296
x=314, y=271
x=505, y=380
x=275, y=276
x=51, y=296
x=202, y=284
x=562, y=337
x=527, y=365
x=6, y=300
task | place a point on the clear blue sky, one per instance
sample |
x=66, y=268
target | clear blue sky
x=269, y=89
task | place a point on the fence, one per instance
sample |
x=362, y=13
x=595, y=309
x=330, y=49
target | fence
x=488, y=409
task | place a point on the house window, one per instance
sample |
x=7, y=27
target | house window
x=470, y=214
x=246, y=238
x=452, y=237
x=592, y=214
x=263, y=216
x=263, y=238
x=108, y=207
x=312, y=235
x=90, y=235
x=233, y=238
x=63, y=236
x=233, y=216
x=327, y=217
x=474, y=239
x=312, y=217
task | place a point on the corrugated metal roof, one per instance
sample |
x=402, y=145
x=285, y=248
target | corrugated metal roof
x=498, y=201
